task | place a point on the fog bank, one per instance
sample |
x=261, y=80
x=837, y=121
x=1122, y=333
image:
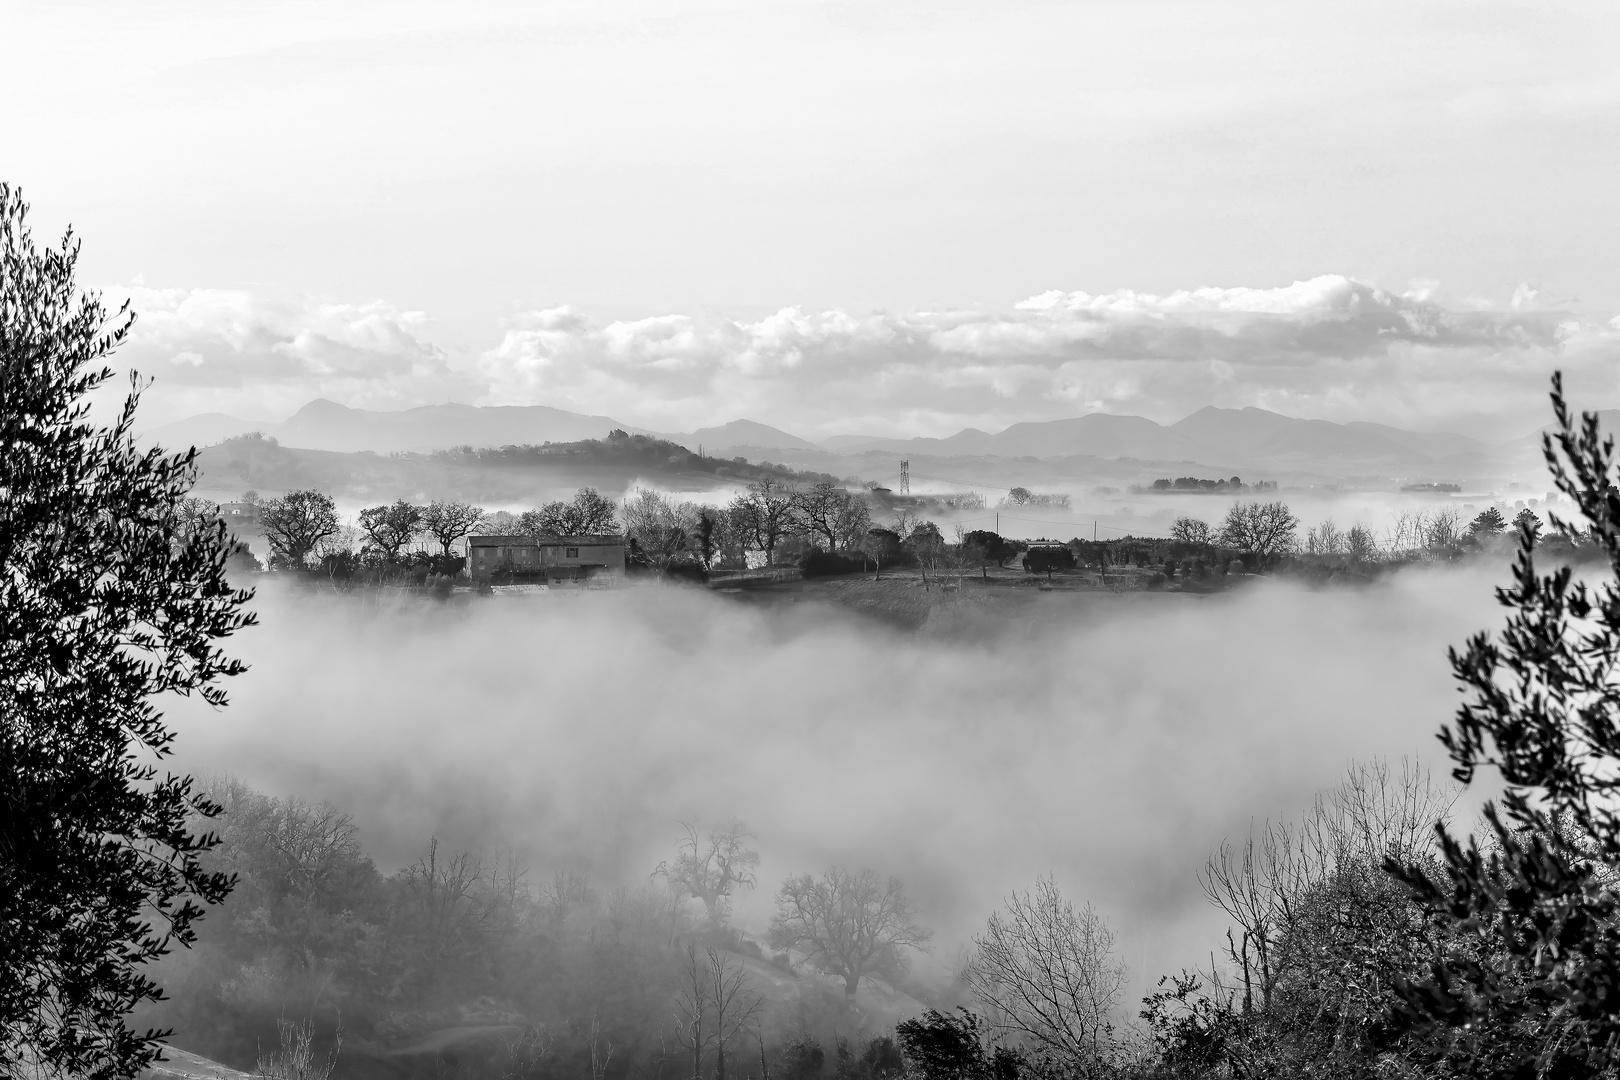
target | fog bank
x=1111, y=741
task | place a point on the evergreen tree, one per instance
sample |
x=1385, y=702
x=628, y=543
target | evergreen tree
x=109, y=598
x=1489, y=522
x=1527, y=925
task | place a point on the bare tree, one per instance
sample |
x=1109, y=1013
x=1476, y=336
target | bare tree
x=1260, y=529
x=448, y=522
x=313, y=840
x=848, y=924
x=1360, y=543
x=601, y=1050
x=444, y=895
x=1445, y=530
x=294, y=1057
x=834, y=514
x=1046, y=973
x=692, y=1030
x=1326, y=539
x=1191, y=530
x=735, y=1004
x=1303, y=894
x=711, y=867
x=660, y=527
x=566, y=892
x=765, y=515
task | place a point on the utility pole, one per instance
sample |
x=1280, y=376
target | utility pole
x=905, y=477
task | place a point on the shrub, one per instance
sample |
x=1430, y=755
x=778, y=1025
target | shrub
x=825, y=563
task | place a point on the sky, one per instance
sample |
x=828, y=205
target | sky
x=839, y=218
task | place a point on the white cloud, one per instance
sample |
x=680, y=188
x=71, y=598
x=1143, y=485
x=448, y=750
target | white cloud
x=211, y=350
x=1331, y=347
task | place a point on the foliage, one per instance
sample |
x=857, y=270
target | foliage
x=1022, y=496
x=882, y=547
x=819, y=563
x=295, y=524
x=1323, y=937
x=847, y=924
x=992, y=547
x=391, y=527
x=944, y=1047
x=1528, y=971
x=1526, y=521
x=109, y=599
x=587, y=514
x=1489, y=522
x=1043, y=558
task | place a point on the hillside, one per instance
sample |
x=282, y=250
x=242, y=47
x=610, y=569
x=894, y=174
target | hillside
x=184, y=1065
x=1097, y=447
x=508, y=475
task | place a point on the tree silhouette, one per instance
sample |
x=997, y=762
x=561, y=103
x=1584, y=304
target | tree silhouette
x=1528, y=966
x=108, y=601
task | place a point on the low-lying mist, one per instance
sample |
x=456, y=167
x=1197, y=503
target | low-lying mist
x=1110, y=741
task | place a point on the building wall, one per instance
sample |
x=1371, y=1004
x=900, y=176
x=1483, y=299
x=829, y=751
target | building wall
x=560, y=560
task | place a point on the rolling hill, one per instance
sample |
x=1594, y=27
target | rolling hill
x=1211, y=440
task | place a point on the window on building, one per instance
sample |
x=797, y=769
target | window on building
x=573, y=553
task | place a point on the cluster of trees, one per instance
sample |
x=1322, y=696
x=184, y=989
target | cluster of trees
x=1263, y=532
x=1193, y=483
x=624, y=449
x=1022, y=496
x=622, y=981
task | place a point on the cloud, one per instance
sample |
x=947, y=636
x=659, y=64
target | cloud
x=222, y=350
x=1329, y=347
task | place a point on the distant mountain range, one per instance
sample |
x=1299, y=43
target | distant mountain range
x=1247, y=439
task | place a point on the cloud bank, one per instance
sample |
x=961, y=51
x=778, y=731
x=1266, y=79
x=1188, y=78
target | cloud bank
x=1331, y=347
x=1113, y=744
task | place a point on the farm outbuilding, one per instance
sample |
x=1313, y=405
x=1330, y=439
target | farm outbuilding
x=544, y=559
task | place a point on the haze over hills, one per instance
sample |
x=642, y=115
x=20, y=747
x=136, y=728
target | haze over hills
x=1245, y=440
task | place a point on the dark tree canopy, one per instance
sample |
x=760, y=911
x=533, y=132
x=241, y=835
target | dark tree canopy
x=1260, y=529
x=448, y=522
x=587, y=514
x=993, y=547
x=389, y=528
x=1489, y=522
x=1528, y=921
x=112, y=593
x=296, y=523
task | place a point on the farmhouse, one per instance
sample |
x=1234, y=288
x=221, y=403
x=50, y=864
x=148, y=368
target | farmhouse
x=544, y=559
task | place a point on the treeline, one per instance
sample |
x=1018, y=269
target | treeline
x=1183, y=484
x=824, y=527
x=470, y=964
